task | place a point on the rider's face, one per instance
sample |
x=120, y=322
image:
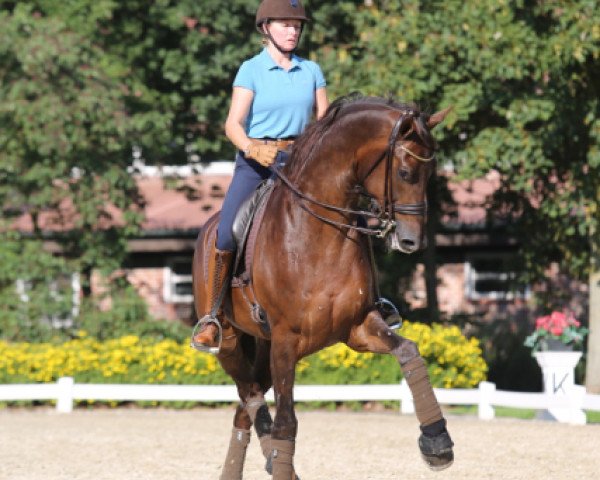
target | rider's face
x=285, y=32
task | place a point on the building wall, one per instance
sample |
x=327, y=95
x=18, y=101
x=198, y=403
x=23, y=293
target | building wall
x=149, y=282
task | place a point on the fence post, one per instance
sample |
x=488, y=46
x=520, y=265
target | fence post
x=406, y=401
x=486, y=391
x=577, y=415
x=64, y=402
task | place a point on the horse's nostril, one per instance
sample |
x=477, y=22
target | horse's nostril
x=408, y=245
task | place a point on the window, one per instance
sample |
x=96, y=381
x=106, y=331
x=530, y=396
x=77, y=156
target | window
x=177, y=287
x=61, y=295
x=492, y=276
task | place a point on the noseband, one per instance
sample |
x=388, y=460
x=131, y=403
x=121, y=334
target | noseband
x=385, y=215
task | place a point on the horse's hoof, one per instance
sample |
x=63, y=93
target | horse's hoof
x=437, y=451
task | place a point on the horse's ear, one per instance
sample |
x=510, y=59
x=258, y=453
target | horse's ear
x=438, y=117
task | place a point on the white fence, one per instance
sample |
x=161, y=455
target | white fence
x=65, y=392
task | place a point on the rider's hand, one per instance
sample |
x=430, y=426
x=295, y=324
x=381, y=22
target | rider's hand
x=263, y=153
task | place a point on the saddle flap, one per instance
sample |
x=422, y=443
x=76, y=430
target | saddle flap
x=245, y=217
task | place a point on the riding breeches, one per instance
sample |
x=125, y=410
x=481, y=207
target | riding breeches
x=247, y=176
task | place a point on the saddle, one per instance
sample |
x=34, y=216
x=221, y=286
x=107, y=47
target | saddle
x=245, y=230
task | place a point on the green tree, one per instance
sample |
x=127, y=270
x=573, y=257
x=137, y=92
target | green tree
x=65, y=143
x=523, y=78
x=31, y=302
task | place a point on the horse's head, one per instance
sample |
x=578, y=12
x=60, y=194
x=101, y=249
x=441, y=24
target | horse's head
x=398, y=180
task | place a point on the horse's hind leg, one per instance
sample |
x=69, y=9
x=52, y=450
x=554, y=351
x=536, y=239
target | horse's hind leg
x=252, y=381
x=374, y=335
x=238, y=443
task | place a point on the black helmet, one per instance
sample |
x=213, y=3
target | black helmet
x=279, y=10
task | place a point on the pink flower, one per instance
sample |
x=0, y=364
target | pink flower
x=542, y=322
x=561, y=325
x=556, y=330
x=558, y=318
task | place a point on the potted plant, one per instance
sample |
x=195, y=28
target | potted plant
x=552, y=342
x=559, y=331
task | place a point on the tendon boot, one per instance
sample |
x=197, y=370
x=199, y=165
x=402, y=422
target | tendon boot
x=208, y=333
x=236, y=455
x=435, y=442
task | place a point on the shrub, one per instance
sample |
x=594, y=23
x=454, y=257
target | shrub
x=453, y=361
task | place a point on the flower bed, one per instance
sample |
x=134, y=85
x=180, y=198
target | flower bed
x=453, y=360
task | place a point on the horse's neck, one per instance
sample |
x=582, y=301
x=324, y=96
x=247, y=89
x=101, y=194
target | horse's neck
x=329, y=175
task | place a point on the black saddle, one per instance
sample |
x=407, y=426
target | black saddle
x=244, y=219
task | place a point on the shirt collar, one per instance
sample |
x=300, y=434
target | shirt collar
x=270, y=64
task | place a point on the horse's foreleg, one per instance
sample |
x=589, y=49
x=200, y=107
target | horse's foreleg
x=374, y=335
x=263, y=424
x=283, y=442
x=255, y=403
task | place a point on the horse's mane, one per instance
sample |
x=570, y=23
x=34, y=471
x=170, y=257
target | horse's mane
x=311, y=137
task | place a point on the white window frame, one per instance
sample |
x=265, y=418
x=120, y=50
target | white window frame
x=472, y=275
x=23, y=286
x=171, y=279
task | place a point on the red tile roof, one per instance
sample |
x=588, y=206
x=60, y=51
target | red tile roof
x=170, y=205
x=184, y=208
x=471, y=200
x=187, y=203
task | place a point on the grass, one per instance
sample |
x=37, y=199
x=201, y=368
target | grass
x=521, y=413
x=508, y=412
x=592, y=416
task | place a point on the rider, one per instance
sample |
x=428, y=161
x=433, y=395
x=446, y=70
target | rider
x=274, y=96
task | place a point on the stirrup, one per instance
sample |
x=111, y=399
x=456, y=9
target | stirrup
x=389, y=312
x=207, y=319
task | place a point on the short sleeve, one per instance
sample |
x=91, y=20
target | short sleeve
x=244, y=78
x=319, y=77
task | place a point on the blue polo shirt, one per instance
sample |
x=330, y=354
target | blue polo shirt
x=283, y=100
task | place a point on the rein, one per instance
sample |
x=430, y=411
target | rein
x=385, y=217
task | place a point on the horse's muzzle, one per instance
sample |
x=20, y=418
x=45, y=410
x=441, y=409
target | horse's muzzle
x=405, y=243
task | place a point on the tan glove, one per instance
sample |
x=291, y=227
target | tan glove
x=263, y=153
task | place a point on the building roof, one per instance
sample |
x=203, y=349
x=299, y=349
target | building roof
x=470, y=201
x=175, y=200
x=184, y=206
x=177, y=204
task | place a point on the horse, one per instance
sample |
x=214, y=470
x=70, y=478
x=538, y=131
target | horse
x=312, y=271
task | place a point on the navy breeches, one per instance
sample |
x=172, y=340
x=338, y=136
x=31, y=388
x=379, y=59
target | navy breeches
x=247, y=175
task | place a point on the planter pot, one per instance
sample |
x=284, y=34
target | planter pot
x=558, y=369
x=554, y=345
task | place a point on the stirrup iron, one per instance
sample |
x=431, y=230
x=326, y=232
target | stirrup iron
x=389, y=312
x=207, y=319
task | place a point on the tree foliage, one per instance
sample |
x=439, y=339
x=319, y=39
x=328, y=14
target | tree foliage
x=522, y=77
x=65, y=139
x=83, y=81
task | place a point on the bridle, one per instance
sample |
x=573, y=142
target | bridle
x=385, y=216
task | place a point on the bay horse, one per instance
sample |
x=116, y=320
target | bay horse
x=312, y=271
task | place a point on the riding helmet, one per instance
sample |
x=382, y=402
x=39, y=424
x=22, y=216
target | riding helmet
x=279, y=10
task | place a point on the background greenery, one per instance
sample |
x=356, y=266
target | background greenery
x=84, y=82
x=453, y=361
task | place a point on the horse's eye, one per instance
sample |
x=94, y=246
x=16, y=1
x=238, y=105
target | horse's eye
x=404, y=174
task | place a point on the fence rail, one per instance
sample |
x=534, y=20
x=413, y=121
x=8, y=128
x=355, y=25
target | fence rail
x=65, y=392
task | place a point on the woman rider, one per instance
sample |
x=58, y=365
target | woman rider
x=274, y=96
